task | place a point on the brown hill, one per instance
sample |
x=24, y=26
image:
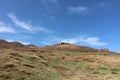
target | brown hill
x=59, y=47
x=70, y=47
x=76, y=48
x=62, y=61
x=5, y=44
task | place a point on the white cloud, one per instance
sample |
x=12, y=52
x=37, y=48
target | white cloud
x=5, y=28
x=27, y=26
x=72, y=41
x=84, y=40
x=46, y=42
x=78, y=10
x=93, y=41
x=25, y=43
x=22, y=24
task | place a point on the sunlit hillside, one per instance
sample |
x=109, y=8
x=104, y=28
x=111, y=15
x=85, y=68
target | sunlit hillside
x=62, y=61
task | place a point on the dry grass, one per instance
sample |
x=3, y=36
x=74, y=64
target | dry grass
x=59, y=63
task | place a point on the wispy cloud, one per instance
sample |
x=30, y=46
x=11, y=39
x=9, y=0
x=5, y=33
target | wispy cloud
x=78, y=10
x=103, y=4
x=5, y=28
x=84, y=40
x=55, y=2
x=51, y=6
x=22, y=24
x=100, y=4
x=93, y=41
x=27, y=26
x=46, y=42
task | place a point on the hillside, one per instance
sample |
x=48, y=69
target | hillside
x=5, y=44
x=70, y=47
x=61, y=61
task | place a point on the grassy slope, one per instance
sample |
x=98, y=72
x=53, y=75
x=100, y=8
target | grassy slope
x=19, y=65
x=77, y=66
x=58, y=65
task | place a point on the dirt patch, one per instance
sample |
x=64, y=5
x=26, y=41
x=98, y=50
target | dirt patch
x=58, y=69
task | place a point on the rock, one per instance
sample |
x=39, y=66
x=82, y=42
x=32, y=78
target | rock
x=62, y=43
x=104, y=50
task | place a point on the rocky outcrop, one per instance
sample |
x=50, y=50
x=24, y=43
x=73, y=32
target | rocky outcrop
x=62, y=43
x=104, y=50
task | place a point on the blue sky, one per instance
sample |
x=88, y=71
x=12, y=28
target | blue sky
x=93, y=23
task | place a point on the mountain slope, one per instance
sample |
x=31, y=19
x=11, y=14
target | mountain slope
x=58, y=62
x=5, y=44
x=70, y=47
